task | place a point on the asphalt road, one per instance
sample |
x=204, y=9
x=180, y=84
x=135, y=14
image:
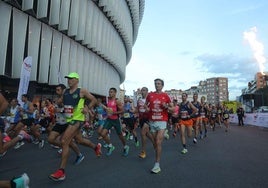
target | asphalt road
x=238, y=158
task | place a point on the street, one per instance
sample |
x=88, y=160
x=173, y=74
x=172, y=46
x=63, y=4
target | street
x=237, y=158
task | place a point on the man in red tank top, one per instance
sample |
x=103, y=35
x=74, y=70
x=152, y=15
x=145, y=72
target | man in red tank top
x=114, y=108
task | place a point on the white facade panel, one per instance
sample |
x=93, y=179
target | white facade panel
x=92, y=59
x=64, y=61
x=80, y=62
x=74, y=18
x=42, y=9
x=55, y=58
x=46, y=39
x=82, y=20
x=72, y=57
x=86, y=75
x=54, y=15
x=64, y=14
x=5, y=14
x=89, y=22
x=33, y=45
x=19, y=34
x=27, y=5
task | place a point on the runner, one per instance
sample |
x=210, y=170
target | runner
x=175, y=117
x=129, y=121
x=204, y=118
x=61, y=125
x=5, y=141
x=114, y=108
x=196, y=119
x=144, y=122
x=159, y=104
x=187, y=112
x=226, y=116
x=74, y=110
x=101, y=116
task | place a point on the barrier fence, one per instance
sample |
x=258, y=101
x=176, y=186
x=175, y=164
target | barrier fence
x=257, y=119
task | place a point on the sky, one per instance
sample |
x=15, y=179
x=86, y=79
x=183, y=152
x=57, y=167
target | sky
x=185, y=42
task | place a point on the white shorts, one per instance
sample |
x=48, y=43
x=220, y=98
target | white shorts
x=157, y=125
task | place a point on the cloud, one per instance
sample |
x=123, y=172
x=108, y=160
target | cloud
x=227, y=64
x=246, y=9
x=239, y=71
x=256, y=46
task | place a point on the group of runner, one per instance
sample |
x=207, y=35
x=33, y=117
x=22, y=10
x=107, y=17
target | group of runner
x=154, y=113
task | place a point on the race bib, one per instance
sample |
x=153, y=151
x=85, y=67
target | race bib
x=68, y=111
x=126, y=115
x=24, y=116
x=184, y=114
x=202, y=114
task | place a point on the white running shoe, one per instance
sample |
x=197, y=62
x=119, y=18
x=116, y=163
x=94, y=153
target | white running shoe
x=156, y=169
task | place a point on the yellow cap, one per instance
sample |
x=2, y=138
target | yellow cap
x=72, y=75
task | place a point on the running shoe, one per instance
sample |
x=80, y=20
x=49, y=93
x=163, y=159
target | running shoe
x=6, y=138
x=2, y=155
x=127, y=135
x=137, y=144
x=79, y=159
x=98, y=150
x=156, y=169
x=174, y=134
x=22, y=181
x=59, y=175
x=166, y=135
x=184, y=151
x=41, y=144
x=54, y=146
x=19, y=144
x=194, y=140
x=142, y=154
x=105, y=145
x=36, y=141
x=59, y=151
x=110, y=150
x=131, y=137
x=126, y=150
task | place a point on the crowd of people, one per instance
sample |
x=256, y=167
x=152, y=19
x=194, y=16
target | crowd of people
x=75, y=108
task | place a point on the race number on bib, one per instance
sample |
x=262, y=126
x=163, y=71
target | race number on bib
x=126, y=115
x=68, y=111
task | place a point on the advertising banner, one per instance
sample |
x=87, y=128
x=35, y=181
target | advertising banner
x=257, y=119
x=24, y=77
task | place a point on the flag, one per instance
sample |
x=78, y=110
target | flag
x=24, y=77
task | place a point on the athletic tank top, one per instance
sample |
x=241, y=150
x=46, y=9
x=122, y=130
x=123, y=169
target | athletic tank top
x=127, y=113
x=198, y=106
x=26, y=115
x=185, y=111
x=142, y=111
x=73, y=105
x=113, y=107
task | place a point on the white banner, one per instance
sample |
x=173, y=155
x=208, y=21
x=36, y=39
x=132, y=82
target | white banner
x=24, y=77
x=257, y=119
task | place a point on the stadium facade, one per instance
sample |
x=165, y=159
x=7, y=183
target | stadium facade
x=91, y=37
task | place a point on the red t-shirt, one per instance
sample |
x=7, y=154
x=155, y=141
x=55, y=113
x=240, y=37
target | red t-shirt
x=156, y=103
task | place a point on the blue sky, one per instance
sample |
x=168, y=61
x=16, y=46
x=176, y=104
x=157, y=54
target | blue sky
x=184, y=42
